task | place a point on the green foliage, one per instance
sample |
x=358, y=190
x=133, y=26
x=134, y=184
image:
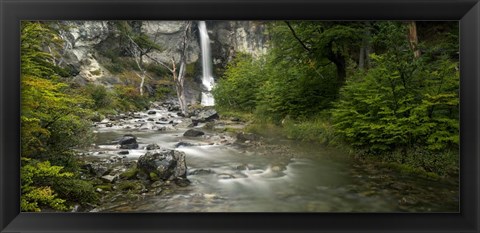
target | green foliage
x=76, y=191
x=53, y=122
x=101, y=96
x=35, y=188
x=238, y=88
x=129, y=98
x=402, y=104
x=319, y=129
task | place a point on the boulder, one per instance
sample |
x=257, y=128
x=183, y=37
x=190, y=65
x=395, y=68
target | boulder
x=193, y=133
x=152, y=147
x=128, y=141
x=96, y=169
x=205, y=115
x=166, y=164
x=152, y=112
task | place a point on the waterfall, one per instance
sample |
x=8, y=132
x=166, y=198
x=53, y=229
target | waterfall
x=207, y=77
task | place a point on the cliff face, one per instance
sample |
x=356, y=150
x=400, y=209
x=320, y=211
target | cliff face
x=89, y=44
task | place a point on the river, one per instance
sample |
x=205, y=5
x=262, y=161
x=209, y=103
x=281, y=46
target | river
x=280, y=176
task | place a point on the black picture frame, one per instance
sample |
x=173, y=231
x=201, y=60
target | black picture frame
x=13, y=11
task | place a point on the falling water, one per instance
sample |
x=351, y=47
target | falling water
x=207, y=77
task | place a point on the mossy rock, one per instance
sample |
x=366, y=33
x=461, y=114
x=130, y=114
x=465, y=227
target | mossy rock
x=105, y=187
x=130, y=173
x=154, y=177
x=130, y=185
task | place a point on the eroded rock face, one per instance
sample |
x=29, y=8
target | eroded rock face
x=166, y=164
x=88, y=43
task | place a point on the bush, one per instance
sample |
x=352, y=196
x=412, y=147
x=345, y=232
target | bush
x=36, y=186
x=238, y=88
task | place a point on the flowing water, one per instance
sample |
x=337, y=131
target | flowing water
x=207, y=76
x=232, y=178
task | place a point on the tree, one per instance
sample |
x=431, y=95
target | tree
x=333, y=41
x=53, y=122
x=139, y=46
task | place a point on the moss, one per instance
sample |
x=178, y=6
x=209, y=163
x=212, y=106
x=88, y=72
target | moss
x=154, y=176
x=105, y=187
x=129, y=173
x=130, y=185
x=96, y=72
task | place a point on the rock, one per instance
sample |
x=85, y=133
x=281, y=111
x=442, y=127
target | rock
x=152, y=112
x=186, y=123
x=109, y=125
x=158, y=191
x=193, y=133
x=166, y=164
x=109, y=178
x=97, y=169
x=183, y=144
x=225, y=176
x=150, y=119
x=157, y=184
x=128, y=141
x=244, y=137
x=152, y=147
x=182, y=182
x=205, y=115
x=200, y=172
x=174, y=108
x=123, y=152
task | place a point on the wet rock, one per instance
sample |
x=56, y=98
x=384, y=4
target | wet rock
x=183, y=144
x=193, y=133
x=186, y=123
x=152, y=147
x=225, y=176
x=152, y=112
x=166, y=164
x=123, y=152
x=109, y=125
x=128, y=141
x=200, y=172
x=173, y=108
x=182, y=182
x=164, y=122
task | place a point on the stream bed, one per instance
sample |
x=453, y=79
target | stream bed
x=271, y=176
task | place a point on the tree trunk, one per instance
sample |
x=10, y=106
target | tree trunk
x=361, y=58
x=179, y=80
x=413, y=39
x=339, y=62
